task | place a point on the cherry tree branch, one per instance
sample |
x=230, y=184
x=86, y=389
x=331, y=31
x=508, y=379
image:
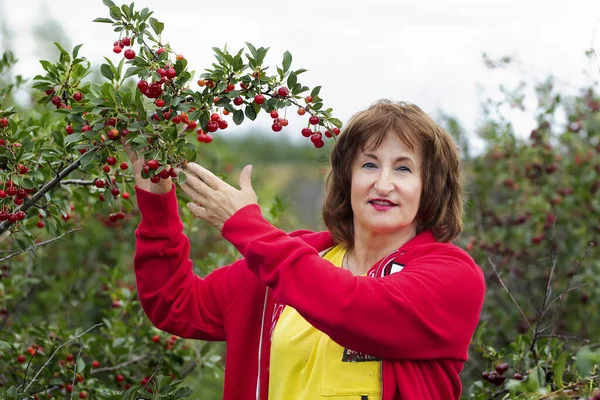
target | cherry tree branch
x=121, y=365
x=45, y=189
x=54, y=353
x=16, y=253
x=510, y=294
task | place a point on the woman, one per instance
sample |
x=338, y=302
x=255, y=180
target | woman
x=380, y=306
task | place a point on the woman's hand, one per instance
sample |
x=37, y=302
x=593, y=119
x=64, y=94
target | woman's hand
x=137, y=163
x=213, y=199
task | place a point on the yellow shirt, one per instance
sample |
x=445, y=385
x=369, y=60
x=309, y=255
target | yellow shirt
x=307, y=364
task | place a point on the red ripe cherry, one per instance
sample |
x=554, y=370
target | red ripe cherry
x=155, y=179
x=162, y=72
x=56, y=100
x=230, y=87
x=20, y=215
x=124, y=132
x=124, y=165
x=12, y=218
x=99, y=183
x=283, y=91
x=171, y=73
x=49, y=91
x=125, y=195
x=301, y=111
x=119, y=378
x=86, y=128
x=160, y=51
x=238, y=101
x=113, y=134
x=316, y=137
x=212, y=126
x=191, y=126
x=274, y=114
x=142, y=86
x=172, y=173
x=40, y=224
x=276, y=127
x=164, y=174
x=176, y=119
x=110, y=160
x=126, y=41
x=314, y=120
x=18, y=201
x=2, y=194
x=328, y=134
x=215, y=117
x=153, y=164
x=4, y=122
x=208, y=138
x=117, y=49
x=159, y=103
x=156, y=338
x=336, y=131
x=95, y=364
x=22, y=169
x=284, y=122
x=308, y=99
x=319, y=144
x=11, y=191
x=77, y=96
x=66, y=217
x=82, y=395
x=259, y=99
x=222, y=124
x=129, y=54
x=3, y=215
x=121, y=215
x=306, y=132
x=111, y=122
x=69, y=357
x=21, y=359
x=69, y=388
x=106, y=168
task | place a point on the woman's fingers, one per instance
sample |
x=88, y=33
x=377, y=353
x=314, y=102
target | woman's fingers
x=197, y=197
x=210, y=179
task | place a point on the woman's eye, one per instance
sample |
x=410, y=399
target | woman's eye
x=369, y=165
x=404, y=168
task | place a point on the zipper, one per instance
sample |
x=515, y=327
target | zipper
x=377, y=271
x=260, y=344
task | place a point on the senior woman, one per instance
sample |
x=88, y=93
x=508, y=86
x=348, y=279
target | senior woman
x=379, y=306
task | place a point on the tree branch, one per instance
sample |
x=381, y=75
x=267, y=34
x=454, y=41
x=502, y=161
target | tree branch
x=115, y=367
x=510, y=294
x=16, y=253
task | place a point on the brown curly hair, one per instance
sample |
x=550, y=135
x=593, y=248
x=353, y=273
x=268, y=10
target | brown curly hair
x=441, y=205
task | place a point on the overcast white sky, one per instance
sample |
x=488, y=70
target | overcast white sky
x=427, y=52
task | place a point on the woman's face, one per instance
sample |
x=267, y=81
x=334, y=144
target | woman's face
x=386, y=188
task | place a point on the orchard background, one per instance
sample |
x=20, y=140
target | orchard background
x=70, y=322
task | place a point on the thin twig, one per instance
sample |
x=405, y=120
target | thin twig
x=566, y=290
x=16, y=253
x=509, y=293
x=592, y=44
x=56, y=351
x=154, y=373
x=75, y=368
x=115, y=367
x=574, y=385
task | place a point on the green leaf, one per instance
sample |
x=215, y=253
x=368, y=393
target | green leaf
x=287, y=61
x=315, y=92
x=80, y=365
x=238, y=117
x=5, y=344
x=250, y=112
x=559, y=369
x=108, y=3
x=181, y=178
x=115, y=12
x=87, y=158
x=157, y=26
x=104, y=20
x=336, y=122
x=292, y=80
x=252, y=50
x=106, y=71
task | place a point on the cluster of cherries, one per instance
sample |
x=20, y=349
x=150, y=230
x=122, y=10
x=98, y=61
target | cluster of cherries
x=497, y=377
x=120, y=44
x=153, y=90
x=10, y=189
x=57, y=101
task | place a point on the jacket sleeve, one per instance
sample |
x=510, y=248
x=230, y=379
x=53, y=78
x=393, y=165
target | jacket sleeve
x=428, y=311
x=174, y=298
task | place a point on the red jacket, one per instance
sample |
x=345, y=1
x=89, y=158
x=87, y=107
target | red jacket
x=417, y=310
